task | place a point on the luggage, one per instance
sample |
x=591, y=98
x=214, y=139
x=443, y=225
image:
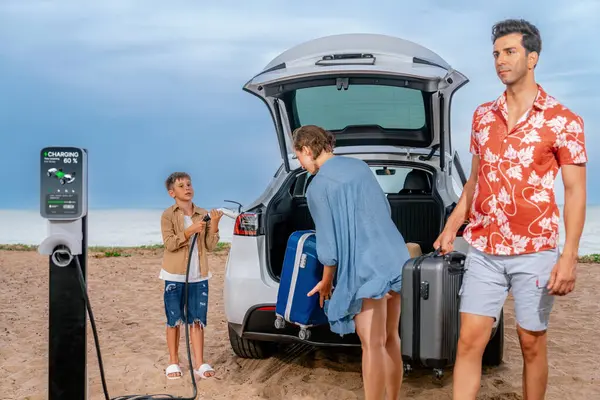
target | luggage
x=430, y=319
x=300, y=274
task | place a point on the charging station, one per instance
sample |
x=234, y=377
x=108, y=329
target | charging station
x=64, y=204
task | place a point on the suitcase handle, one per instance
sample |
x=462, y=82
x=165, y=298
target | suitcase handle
x=455, y=259
x=456, y=262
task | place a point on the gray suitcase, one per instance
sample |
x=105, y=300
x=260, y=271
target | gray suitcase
x=430, y=321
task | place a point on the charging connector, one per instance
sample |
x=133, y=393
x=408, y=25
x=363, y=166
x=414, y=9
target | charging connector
x=61, y=256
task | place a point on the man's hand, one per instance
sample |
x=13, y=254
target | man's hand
x=562, y=278
x=445, y=241
x=324, y=288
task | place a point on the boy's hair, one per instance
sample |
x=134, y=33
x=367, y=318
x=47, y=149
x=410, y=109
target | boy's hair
x=315, y=138
x=174, y=177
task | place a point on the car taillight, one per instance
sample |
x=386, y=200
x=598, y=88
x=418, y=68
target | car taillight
x=246, y=224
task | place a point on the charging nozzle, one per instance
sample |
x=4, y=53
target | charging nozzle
x=62, y=256
x=230, y=213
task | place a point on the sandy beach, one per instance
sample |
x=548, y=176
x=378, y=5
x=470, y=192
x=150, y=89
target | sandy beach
x=126, y=297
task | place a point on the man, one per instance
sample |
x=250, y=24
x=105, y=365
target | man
x=518, y=142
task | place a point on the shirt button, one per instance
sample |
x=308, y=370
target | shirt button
x=504, y=141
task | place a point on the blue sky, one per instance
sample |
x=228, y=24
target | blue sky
x=151, y=87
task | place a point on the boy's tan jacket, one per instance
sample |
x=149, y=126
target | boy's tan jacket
x=177, y=247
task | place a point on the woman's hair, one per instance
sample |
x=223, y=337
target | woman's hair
x=315, y=138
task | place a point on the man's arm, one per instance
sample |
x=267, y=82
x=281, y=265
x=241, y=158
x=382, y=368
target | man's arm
x=445, y=241
x=562, y=278
x=574, y=180
x=460, y=212
x=459, y=215
x=571, y=156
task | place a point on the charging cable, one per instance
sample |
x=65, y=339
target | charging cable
x=63, y=255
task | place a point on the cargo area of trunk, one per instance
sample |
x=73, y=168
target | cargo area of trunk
x=418, y=215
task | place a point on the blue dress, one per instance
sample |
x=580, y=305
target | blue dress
x=355, y=232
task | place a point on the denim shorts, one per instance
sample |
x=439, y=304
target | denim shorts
x=489, y=278
x=197, y=305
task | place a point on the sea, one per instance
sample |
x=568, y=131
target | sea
x=134, y=227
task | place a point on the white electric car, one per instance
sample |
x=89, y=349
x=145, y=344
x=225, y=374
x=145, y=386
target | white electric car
x=387, y=101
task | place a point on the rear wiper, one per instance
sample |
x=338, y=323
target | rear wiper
x=428, y=157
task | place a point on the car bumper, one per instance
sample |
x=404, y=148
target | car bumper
x=259, y=324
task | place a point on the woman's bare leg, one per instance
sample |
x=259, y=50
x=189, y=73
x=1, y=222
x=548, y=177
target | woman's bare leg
x=371, y=329
x=394, y=366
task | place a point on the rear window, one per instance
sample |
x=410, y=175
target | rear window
x=391, y=107
x=392, y=179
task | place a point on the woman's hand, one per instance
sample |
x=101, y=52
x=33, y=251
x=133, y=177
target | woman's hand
x=324, y=288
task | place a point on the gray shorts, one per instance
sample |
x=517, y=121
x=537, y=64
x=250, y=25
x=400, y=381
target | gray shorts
x=488, y=279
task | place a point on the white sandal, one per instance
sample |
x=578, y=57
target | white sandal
x=205, y=371
x=173, y=369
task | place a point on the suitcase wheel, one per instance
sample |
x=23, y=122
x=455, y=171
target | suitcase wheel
x=279, y=323
x=304, y=334
x=438, y=374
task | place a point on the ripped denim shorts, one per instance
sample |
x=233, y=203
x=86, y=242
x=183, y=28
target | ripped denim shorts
x=197, y=305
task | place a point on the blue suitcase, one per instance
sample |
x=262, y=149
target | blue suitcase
x=300, y=273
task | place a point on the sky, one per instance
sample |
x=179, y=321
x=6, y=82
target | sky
x=151, y=87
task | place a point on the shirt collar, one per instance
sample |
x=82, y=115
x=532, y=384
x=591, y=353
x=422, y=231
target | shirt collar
x=540, y=101
x=196, y=209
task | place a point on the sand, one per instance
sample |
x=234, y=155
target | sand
x=127, y=301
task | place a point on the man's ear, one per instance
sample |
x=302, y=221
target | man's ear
x=532, y=59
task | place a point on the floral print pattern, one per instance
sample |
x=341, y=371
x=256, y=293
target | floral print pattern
x=514, y=209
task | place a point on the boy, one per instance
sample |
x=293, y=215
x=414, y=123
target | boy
x=179, y=223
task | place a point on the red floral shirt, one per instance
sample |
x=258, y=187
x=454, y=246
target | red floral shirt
x=514, y=209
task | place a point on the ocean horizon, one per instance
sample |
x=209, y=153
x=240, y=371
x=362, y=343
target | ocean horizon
x=139, y=227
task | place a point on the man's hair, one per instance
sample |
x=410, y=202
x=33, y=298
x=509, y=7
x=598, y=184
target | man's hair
x=531, y=41
x=315, y=138
x=174, y=177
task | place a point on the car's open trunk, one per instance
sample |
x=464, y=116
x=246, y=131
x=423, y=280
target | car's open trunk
x=417, y=214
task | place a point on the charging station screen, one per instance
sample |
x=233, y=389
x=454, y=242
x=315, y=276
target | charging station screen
x=62, y=186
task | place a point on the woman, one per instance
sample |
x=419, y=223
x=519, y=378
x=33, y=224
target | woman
x=360, y=246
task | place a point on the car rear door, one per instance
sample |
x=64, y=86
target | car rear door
x=368, y=90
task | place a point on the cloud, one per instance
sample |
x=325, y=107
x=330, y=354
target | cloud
x=136, y=65
x=189, y=38
x=153, y=55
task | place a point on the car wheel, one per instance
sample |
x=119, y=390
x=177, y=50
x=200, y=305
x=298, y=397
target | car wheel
x=250, y=348
x=494, y=351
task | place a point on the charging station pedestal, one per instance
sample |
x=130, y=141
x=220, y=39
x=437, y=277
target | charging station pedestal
x=63, y=202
